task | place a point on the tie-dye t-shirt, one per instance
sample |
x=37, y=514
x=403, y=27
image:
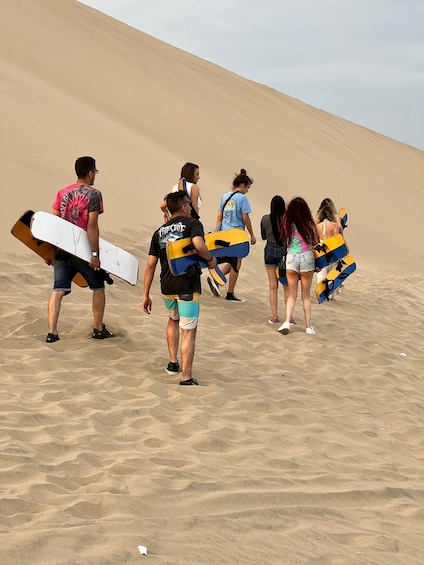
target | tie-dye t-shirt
x=297, y=243
x=76, y=201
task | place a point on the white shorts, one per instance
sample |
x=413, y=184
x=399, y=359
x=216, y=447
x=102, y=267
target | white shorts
x=301, y=262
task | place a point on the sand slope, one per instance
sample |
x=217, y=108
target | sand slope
x=295, y=449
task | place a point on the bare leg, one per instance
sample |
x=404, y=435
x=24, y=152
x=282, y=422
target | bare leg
x=293, y=280
x=188, y=338
x=98, y=305
x=286, y=295
x=321, y=275
x=273, y=292
x=172, y=339
x=305, y=283
x=233, y=277
x=53, y=310
x=225, y=268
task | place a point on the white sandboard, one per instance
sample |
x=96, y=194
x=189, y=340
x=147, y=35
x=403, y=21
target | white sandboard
x=74, y=240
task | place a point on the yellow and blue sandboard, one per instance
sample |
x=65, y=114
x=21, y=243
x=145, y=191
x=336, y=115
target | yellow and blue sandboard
x=335, y=278
x=343, y=217
x=282, y=277
x=281, y=280
x=223, y=245
x=330, y=250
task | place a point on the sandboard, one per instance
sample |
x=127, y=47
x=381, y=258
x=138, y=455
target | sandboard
x=21, y=230
x=335, y=278
x=218, y=276
x=330, y=250
x=281, y=280
x=182, y=187
x=343, y=217
x=281, y=274
x=224, y=244
x=74, y=240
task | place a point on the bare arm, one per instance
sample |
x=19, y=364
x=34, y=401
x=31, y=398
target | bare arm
x=149, y=273
x=219, y=217
x=203, y=251
x=248, y=224
x=263, y=233
x=164, y=208
x=93, y=238
x=339, y=223
x=194, y=197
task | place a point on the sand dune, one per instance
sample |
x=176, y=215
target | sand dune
x=295, y=449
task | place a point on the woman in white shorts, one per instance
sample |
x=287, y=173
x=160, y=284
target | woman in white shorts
x=300, y=234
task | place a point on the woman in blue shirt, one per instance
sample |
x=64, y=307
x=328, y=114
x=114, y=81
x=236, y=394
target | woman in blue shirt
x=233, y=212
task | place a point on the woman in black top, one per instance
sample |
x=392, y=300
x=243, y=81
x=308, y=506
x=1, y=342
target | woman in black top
x=274, y=251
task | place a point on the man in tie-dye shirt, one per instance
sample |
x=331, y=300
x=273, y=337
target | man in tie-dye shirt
x=80, y=204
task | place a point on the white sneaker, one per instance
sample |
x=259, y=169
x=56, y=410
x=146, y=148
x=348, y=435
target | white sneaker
x=213, y=286
x=311, y=331
x=284, y=328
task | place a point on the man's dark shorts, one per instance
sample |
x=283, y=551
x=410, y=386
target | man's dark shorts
x=67, y=266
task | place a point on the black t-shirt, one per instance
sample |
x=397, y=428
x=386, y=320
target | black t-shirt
x=177, y=228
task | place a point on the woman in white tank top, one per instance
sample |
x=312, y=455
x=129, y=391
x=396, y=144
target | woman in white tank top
x=189, y=171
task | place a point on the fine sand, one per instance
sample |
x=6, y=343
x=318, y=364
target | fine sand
x=294, y=449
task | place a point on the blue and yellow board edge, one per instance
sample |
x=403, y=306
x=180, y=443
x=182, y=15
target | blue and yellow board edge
x=345, y=270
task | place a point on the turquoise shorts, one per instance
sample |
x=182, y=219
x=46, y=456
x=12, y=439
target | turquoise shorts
x=183, y=308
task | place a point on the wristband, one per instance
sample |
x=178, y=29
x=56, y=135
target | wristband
x=210, y=260
x=94, y=254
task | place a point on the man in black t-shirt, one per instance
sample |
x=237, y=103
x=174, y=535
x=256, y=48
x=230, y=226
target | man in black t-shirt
x=180, y=293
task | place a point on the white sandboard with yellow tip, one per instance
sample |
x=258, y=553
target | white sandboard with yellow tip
x=21, y=230
x=74, y=240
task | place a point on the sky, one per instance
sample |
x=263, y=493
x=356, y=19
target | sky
x=362, y=60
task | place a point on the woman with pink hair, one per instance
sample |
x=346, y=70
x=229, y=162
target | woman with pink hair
x=299, y=235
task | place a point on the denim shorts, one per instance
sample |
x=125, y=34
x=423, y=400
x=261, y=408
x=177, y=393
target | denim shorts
x=273, y=254
x=66, y=266
x=183, y=308
x=301, y=262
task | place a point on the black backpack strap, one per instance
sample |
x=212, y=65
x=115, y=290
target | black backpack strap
x=229, y=198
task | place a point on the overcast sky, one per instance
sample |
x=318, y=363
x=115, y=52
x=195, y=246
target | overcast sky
x=362, y=60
